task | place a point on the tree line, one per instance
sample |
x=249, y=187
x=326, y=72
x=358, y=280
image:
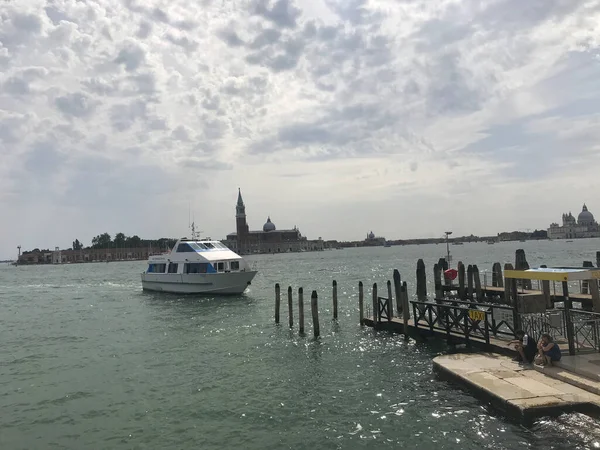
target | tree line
x=106, y=241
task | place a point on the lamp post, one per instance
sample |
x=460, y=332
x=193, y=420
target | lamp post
x=449, y=258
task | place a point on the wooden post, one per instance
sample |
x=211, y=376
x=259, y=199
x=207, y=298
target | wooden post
x=462, y=294
x=277, y=302
x=443, y=265
x=584, y=284
x=437, y=281
x=597, y=259
x=568, y=319
x=421, y=281
x=301, y=310
x=497, y=275
x=522, y=264
x=470, y=282
x=390, y=304
x=361, y=307
x=595, y=295
x=397, y=286
x=335, y=300
x=477, y=280
x=405, y=308
x=314, y=306
x=507, y=290
x=290, y=306
x=375, y=305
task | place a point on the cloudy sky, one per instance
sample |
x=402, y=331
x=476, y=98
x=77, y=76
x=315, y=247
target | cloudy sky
x=407, y=117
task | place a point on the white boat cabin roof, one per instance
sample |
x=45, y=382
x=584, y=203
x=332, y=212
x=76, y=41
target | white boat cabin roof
x=197, y=250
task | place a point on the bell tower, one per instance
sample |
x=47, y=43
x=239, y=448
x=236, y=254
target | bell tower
x=240, y=221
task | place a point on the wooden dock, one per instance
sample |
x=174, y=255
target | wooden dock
x=521, y=392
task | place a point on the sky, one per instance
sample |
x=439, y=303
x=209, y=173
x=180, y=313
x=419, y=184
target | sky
x=405, y=117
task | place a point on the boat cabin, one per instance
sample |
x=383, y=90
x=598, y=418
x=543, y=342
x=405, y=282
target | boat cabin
x=195, y=257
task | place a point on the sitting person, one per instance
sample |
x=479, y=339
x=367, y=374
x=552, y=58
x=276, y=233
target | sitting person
x=548, y=351
x=525, y=346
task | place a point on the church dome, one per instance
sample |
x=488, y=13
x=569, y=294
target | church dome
x=371, y=235
x=585, y=217
x=269, y=226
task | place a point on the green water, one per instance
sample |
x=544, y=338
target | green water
x=88, y=360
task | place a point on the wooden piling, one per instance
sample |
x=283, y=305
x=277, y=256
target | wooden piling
x=376, y=317
x=361, y=306
x=277, y=302
x=443, y=265
x=497, y=280
x=390, y=304
x=507, y=290
x=335, y=300
x=584, y=284
x=546, y=291
x=477, y=280
x=421, y=281
x=397, y=286
x=437, y=281
x=462, y=293
x=301, y=310
x=314, y=306
x=522, y=264
x=597, y=259
x=470, y=282
x=290, y=307
x=405, y=308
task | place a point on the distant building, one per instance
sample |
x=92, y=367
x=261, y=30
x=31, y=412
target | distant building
x=86, y=255
x=267, y=240
x=584, y=227
x=373, y=240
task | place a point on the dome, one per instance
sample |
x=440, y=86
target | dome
x=269, y=226
x=371, y=235
x=585, y=217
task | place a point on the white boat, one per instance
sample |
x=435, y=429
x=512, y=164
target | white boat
x=198, y=266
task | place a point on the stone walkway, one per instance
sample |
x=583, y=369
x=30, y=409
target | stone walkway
x=521, y=391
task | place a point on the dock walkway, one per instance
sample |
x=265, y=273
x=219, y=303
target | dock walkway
x=521, y=392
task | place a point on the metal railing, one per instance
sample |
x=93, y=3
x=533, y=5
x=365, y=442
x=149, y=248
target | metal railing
x=500, y=317
x=586, y=330
x=470, y=323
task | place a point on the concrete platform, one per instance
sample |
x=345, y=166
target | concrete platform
x=585, y=364
x=520, y=392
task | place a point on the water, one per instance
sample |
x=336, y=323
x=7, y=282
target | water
x=88, y=360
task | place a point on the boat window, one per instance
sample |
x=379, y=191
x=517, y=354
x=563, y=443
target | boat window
x=185, y=247
x=172, y=268
x=159, y=268
x=220, y=266
x=209, y=245
x=150, y=268
x=196, y=268
x=235, y=265
x=202, y=246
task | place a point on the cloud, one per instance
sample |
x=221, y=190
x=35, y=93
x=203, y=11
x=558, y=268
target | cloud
x=343, y=105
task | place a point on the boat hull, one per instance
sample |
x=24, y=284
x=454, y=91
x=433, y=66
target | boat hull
x=230, y=283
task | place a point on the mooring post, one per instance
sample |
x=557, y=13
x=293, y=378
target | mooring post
x=421, y=281
x=397, y=285
x=597, y=259
x=437, y=281
x=390, y=303
x=584, y=283
x=314, y=306
x=290, y=307
x=470, y=281
x=335, y=301
x=443, y=265
x=361, y=306
x=522, y=264
x=277, y=302
x=497, y=275
x=301, y=311
x=405, y=308
x=546, y=291
x=595, y=295
x=477, y=280
x=462, y=293
x=375, y=305
x=507, y=283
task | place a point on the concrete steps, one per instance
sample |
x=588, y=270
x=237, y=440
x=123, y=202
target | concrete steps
x=572, y=378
